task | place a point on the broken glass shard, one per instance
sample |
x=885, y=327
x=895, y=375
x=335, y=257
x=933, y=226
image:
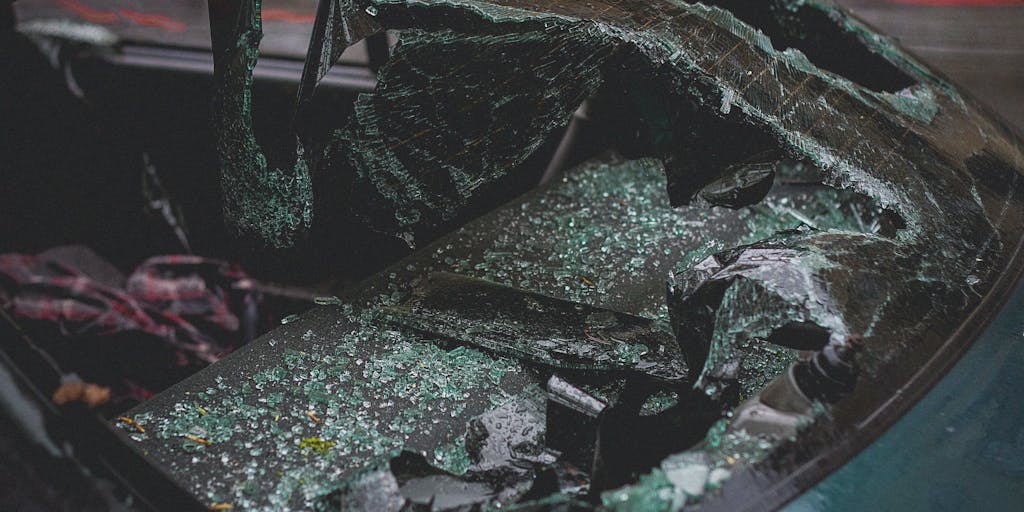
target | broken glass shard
x=552, y=332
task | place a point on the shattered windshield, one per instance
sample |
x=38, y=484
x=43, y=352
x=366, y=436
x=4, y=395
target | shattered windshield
x=789, y=218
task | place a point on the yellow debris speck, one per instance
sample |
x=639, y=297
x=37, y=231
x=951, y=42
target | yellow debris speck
x=132, y=423
x=197, y=439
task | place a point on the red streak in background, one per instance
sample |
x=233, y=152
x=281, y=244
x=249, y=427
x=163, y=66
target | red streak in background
x=152, y=20
x=88, y=13
x=287, y=16
x=161, y=21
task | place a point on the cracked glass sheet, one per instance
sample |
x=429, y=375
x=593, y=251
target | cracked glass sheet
x=267, y=197
x=419, y=150
x=859, y=137
x=724, y=93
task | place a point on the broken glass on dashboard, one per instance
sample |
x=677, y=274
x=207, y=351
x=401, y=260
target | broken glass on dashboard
x=820, y=239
